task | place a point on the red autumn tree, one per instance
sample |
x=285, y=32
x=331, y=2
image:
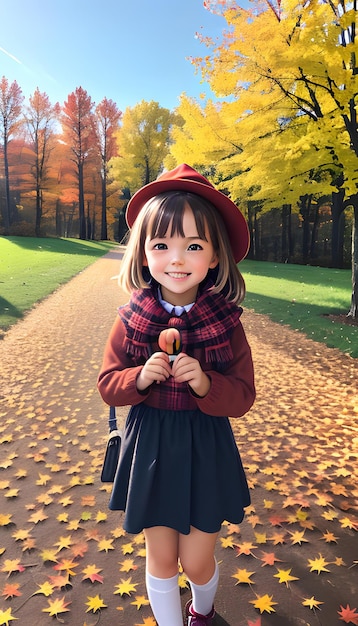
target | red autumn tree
x=40, y=116
x=78, y=130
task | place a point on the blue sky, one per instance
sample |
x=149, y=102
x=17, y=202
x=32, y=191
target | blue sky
x=125, y=50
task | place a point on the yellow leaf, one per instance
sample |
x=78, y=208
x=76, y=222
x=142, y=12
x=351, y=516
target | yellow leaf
x=46, y=589
x=318, y=564
x=226, y=542
x=105, y=545
x=264, y=603
x=261, y=537
x=6, y=617
x=12, y=493
x=56, y=606
x=127, y=548
x=101, y=516
x=95, y=603
x=140, y=601
x=125, y=587
x=284, y=576
x=49, y=555
x=5, y=520
x=12, y=565
x=148, y=621
x=127, y=565
x=243, y=577
x=312, y=603
x=183, y=581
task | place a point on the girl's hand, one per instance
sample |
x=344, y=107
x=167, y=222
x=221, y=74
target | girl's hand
x=186, y=369
x=156, y=369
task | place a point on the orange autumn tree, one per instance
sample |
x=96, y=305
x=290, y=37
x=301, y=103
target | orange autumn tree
x=78, y=133
x=40, y=116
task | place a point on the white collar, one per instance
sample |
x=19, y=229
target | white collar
x=170, y=308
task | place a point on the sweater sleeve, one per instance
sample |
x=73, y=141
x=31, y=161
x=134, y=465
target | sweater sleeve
x=117, y=377
x=231, y=393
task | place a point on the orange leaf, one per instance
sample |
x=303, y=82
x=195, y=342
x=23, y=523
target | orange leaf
x=348, y=615
x=11, y=591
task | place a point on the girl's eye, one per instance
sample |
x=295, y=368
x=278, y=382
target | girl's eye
x=195, y=246
x=160, y=246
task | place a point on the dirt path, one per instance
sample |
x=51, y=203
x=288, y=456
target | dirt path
x=63, y=554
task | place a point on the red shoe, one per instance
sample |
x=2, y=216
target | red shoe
x=195, y=619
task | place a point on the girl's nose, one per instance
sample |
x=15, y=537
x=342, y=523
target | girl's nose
x=177, y=258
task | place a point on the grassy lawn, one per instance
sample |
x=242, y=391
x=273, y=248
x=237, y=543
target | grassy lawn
x=303, y=297
x=32, y=268
x=300, y=296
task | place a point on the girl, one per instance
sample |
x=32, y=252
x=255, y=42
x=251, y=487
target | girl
x=180, y=474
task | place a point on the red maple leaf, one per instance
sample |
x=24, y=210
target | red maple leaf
x=348, y=615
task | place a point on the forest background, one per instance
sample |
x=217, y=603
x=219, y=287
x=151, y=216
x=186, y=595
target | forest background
x=281, y=138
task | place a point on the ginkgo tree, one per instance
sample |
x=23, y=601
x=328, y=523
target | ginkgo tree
x=142, y=143
x=288, y=71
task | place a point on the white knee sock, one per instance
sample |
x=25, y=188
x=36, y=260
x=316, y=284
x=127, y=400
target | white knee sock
x=164, y=598
x=203, y=595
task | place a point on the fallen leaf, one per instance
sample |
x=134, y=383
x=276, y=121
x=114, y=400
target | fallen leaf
x=140, y=601
x=284, y=576
x=243, y=577
x=92, y=573
x=318, y=564
x=125, y=587
x=348, y=615
x=95, y=603
x=264, y=603
x=312, y=603
x=6, y=617
x=56, y=606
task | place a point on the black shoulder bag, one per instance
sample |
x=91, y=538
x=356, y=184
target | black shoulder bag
x=113, y=448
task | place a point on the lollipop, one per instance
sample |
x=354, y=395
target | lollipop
x=169, y=342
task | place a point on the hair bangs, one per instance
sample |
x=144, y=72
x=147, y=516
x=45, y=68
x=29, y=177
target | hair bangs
x=169, y=216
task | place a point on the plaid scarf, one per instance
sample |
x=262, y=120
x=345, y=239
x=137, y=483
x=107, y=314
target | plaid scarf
x=205, y=330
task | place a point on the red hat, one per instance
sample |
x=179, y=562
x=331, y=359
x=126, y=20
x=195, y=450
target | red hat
x=185, y=178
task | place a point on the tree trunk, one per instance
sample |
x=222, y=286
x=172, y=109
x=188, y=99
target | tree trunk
x=58, y=218
x=337, y=228
x=104, y=233
x=353, y=312
x=286, y=244
x=305, y=205
x=6, y=208
x=314, y=232
x=81, y=203
x=38, y=211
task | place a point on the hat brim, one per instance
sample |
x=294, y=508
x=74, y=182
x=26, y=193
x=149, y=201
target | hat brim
x=234, y=220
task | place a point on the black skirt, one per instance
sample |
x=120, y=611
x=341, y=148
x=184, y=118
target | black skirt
x=178, y=469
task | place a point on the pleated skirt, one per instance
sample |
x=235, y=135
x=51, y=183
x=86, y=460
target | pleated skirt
x=178, y=469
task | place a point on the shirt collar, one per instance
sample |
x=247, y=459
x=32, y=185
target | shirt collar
x=170, y=308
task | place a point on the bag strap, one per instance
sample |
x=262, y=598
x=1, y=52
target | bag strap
x=112, y=420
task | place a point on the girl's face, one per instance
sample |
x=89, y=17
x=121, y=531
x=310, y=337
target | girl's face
x=179, y=264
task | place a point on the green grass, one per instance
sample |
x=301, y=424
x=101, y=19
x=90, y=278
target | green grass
x=302, y=297
x=297, y=295
x=32, y=268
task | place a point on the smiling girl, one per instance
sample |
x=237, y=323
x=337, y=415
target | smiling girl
x=180, y=474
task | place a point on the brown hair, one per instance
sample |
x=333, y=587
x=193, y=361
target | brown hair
x=166, y=211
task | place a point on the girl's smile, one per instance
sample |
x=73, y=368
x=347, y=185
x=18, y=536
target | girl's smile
x=179, y=264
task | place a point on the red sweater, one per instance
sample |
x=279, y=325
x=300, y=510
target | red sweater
x=231, y=392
